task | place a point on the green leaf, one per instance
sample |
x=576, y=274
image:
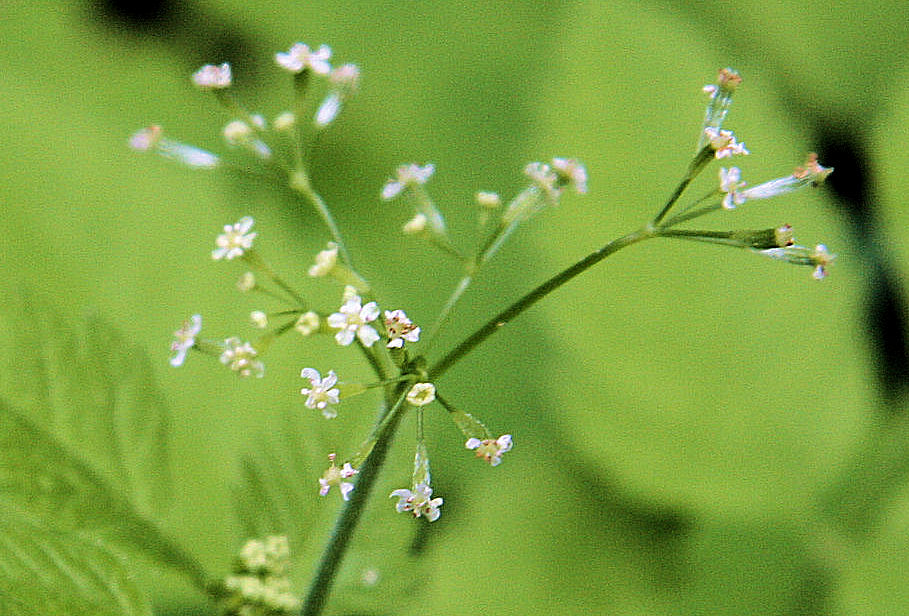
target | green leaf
x=45, y=571
x=92, y=391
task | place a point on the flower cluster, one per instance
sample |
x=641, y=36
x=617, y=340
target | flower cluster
x=334, y=476
x=260, y=584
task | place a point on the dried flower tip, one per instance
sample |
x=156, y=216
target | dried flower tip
x=407, y=175
x=488, y=200
x=728, y=80
x=818, y=257
x=322, y=391
x=571, y=173
x=308, y=323
x=724, y=144
x=247, y=282
x=326, y=261
x=399, y=329
x=352, y=319
x=184, y=339
x=235, y=240
x=812, y=170
x=211, y=77
x=300, y=57
x=258, y=319
x=146, y=139
x=240, y=357
x=335, y=476
x=489, y=449
x=421, y=394
x=419, y=502
x=415, y=225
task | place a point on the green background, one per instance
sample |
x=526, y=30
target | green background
x=682, y=414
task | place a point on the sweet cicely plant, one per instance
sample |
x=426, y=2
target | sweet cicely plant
x=398, y=350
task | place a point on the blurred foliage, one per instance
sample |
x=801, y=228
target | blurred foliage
x=697, y=430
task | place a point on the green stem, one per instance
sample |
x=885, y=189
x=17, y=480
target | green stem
x=350, y=515
x=299, y=181
x=697, y=165
x=498, y=321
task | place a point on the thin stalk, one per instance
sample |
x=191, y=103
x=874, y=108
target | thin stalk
x=528, y=300
x=350, y=515
x=697, y=165
x=300, y=182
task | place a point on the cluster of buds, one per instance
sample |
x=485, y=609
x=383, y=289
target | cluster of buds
x=259, y=585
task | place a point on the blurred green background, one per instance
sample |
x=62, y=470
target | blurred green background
x=698, y=430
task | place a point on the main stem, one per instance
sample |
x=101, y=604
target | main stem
x=498, y=321
x=350, y=515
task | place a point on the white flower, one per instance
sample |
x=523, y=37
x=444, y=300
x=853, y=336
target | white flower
x=488, y=200
x=300, y=57
x=211, y=77
x=731, y=183
x=818, y=257
x=325, y=261
x=240, y=357
x=490, y=450
x=811, y=174
x=253, y=556
x=419, y=502
x=399, y=329
x=334, y=476
x=258, y=319
x=543, y=176
x=415, y=225
x=407, y=175
x=308, y=323
x=235, y=240
x=352, y=319
x=421, y=394
x=237, y=132
x=184, y=339
x=571, y=173
x=322, y=392
x=285, y=121
x=146, y=138
x=724, y=144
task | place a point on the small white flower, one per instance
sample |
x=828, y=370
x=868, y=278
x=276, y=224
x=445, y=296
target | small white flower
x=253, y=556
x=240, y=357
x=490, y=450
x=184, y=339
x=571, y=173
x=325, y=261
x=300, y=57
x=211, y=77
x=235, y=240
x=399, y=329
x=545, y=179
x=488, y=200
x=146, y=139
x=334, y=476
x=258, y=319
x=421, y=394
x=352, y=320
x=731, y=183
x=322, y=391
x=407, y=175
x=415, y=225
x=308, y=323
x=724, y=144
x=285, y=121
x=237, y=132
x=818, y=257
x=419, y=502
